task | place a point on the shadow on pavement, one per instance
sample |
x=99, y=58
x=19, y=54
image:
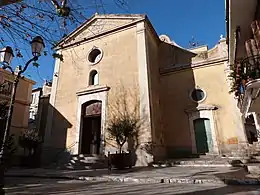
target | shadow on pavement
x=241, y=190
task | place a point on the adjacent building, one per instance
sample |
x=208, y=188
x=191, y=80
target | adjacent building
x=36, y=94
x=36, y=113
x=22, y=102
x=243, y=32
x=183, y=94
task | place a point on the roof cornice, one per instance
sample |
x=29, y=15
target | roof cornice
x=138, y=17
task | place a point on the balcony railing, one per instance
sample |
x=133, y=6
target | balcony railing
x=245, y=71
x=248, y=69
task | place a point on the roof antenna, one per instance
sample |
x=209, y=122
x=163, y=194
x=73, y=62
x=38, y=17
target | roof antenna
x=193, y=42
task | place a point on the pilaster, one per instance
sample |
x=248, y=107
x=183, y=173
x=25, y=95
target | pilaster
x=143, y=158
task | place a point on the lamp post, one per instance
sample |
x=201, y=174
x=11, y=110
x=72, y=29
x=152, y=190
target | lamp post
x=6, y=56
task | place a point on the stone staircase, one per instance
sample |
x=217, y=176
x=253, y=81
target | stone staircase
x=200, y=161
x=249, y=157
x=83, y=162
x=253, y=162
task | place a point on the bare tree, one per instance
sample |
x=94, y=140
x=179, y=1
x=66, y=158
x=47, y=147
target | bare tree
x=51, y=19
x=124, y=121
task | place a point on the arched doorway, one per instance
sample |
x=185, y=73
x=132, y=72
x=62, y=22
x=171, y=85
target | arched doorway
x=203, y=135
x=91, y=127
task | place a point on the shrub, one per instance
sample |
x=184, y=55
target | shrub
x=30, y=140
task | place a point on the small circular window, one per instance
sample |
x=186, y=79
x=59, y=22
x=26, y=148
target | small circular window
x=198, y=95
x=95, y=55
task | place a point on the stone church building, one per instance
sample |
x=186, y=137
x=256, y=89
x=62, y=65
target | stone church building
x=183, y=94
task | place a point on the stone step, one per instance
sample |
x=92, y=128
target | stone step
x=83, y=156
x=88, y=159
x=253, y=168
x=85, y=166
x=203, y=162
x=83, y=161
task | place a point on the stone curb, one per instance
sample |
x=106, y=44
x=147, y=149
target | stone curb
x=45, y=176
x=152, y=180
x=234, y=181
x=189, y=165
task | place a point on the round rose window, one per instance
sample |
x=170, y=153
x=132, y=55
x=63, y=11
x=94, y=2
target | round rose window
x=198, y=95
x=95, y=55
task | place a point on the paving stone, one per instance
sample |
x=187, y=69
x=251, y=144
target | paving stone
x=189, y=175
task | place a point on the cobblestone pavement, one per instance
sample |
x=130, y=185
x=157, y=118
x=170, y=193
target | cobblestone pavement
x=71, y=187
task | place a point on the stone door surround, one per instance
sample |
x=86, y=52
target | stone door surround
x=202, y=111
x=98, y=93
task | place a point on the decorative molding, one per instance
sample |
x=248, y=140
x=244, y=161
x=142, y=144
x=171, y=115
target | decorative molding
x=22, y=102
x=200, y=108
x=203, y=111
x=178, y=67
x=165, y=38
x=93, y=89
x=140, y=28
x=100, y=58
x=143, y=158
x=25, y=103
x=198, y=88
x=95, y=17
x=19, y=127
x=104, y=33
x=99, y=94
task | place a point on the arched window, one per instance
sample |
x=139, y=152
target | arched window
x=93, y=78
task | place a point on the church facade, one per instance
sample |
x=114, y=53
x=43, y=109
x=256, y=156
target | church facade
x=182, y=95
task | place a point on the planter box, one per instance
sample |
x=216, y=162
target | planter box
x=120, y=160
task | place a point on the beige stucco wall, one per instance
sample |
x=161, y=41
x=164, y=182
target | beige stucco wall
x=174, y=99
x=176, y=86
x=118, y=67
x=160, y=74
x=170, y=55
x=153, y=58
x=213, y=81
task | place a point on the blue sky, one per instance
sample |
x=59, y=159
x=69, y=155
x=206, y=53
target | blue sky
x=179, y=19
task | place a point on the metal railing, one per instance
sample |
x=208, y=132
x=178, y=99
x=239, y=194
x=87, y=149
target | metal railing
x=246, y=70
x=251, y=67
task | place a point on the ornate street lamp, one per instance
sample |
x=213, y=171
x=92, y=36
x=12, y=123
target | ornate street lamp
x=37, y=46
x=6, y=55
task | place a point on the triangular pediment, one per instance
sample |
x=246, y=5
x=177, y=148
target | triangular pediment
x=99, y=24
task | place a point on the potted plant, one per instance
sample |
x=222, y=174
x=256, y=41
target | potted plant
x=121, y=130
x=30, y=141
